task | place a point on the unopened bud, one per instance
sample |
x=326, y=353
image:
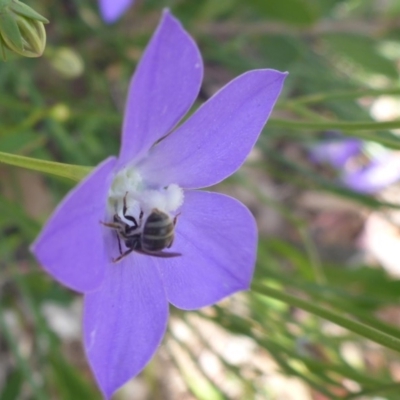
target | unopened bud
x=60, y=112
x=66, y=61
x=21, y=29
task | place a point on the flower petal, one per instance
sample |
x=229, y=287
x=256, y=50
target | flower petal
x=124, y=321
x=376, y=176
x=215, y=141
x=336, y=152
x=164, y=87
x=70, y=246
x=111, y=10
x=217, y=237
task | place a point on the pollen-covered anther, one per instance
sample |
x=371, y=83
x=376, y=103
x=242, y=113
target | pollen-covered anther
x=167, y=199
x=129, y=190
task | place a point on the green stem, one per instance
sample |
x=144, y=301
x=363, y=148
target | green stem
x=341, y=95
x=353, y=326
x=342, y=125
x=74, y=172
x=368, y=392
x=353, y=129
x=313, y=255
x=303, y=112
x=27, y=123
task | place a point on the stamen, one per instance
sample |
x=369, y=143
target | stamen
x=140, y=198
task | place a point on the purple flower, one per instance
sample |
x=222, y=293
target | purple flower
x=336, y=152
x=377, y=175
x=160, y=166
x=342, y=154
x=111, y=10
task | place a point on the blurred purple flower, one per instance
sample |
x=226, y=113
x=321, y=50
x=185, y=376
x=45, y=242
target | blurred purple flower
x=111, y=10
x=335, y=152
x=377, y=175
x=342, y=154
x=126, y=303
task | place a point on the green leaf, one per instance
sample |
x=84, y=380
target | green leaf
x=296, y=12
x=13, y=386
x=69, y=381
x=26, y=11
x=10, y=32
x=216, y=9
x=280, y=51
x=74, y=172
x=362, y=51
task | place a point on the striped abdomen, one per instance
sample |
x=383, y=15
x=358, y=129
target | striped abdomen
x=158, y=231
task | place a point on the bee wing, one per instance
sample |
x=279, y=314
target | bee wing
x=161, y=254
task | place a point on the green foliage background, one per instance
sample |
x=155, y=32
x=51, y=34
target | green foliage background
x=67, y=107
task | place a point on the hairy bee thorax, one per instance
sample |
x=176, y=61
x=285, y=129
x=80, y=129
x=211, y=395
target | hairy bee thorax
x=140, y=199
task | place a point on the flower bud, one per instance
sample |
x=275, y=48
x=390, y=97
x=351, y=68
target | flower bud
x=21, y=29
x=66, y=61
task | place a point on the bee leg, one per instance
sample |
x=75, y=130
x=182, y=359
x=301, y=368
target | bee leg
x=132, y=219
x=125, y=208
x=123, y=255
x=110, y=225
x=119, y=244
x=129, y=217
x=176, y=218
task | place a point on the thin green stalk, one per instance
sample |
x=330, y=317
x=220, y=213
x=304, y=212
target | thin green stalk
x=357, y=327
x=23, y=366
x=205, y=343
x=313, y=381
x=367, y=392
x=349, y=126
x=184, y=374
x=342, y=95
x=303, y=111
x=334, y=298
x=213, y=390
x=313, y=255
x=247, y=326
x=31, y=120
x=74, y=172
x=324, y=368
x=353, y=129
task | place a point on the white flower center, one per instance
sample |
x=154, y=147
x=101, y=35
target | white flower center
x=139, y=197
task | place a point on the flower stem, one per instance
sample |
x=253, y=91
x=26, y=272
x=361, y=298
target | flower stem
x=353, y=129
x=74, y=172
x=366, y=331
x=342, y=125
x=368, y=392
x=313, y=255
x=342, y=95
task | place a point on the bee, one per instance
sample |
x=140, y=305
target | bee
x=150, y=237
